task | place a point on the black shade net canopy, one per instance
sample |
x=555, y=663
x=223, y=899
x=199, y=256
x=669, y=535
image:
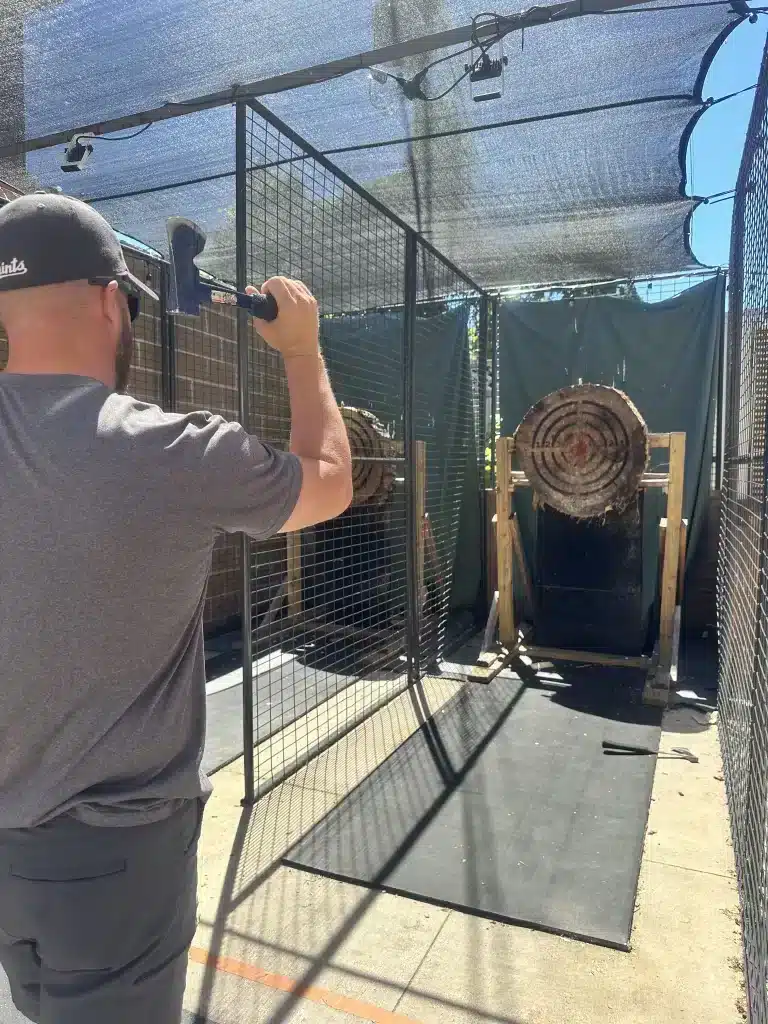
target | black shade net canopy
x=576, y=172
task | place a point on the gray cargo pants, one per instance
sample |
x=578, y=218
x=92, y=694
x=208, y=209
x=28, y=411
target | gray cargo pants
x=96, y=923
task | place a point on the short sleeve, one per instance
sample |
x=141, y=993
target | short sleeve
x=241, y=484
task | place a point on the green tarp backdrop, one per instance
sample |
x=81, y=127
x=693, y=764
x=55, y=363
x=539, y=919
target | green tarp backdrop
x=445, y=420
x=665, y=356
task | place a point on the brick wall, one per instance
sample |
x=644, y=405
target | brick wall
x=206, y=363
x=207, y=378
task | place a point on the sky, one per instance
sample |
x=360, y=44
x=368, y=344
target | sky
x=718, y=139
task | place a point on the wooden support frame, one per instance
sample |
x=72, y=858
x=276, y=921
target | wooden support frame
x=504, y=555
x=661, y=667
x=670, y=567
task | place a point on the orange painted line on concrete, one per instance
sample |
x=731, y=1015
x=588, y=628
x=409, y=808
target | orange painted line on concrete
x=336, y=1001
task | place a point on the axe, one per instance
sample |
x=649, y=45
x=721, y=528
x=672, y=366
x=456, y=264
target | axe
x=188, y=289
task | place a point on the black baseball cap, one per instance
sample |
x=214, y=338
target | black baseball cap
x=47, y=238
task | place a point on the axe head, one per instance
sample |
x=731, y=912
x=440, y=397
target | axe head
x=185, y=241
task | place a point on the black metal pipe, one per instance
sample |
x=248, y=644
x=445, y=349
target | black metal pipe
x=482, y=438
x=720, y=398
x=167, y=344
x=330, y=70
x=243, y=335
x=412, y=527
x=494, y=385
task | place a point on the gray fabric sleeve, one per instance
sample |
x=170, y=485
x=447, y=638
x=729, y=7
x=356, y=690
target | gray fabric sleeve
x=244, y=485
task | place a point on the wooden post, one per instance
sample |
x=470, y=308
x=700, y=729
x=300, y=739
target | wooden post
x=683, y=552
x=293, y=582
x=504, y=555
x=671, y=563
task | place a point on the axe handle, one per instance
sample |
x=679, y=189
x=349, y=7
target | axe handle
x=627, y=748
x=262, y=306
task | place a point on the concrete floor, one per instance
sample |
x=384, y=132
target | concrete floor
x=279, y=945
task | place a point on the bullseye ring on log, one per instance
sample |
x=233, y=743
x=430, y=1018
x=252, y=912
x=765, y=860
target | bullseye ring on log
x=372, y=481
x=584, y=450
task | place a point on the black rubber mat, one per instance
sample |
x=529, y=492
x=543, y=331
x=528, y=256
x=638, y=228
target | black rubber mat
x=504, y=804
x=280, y=698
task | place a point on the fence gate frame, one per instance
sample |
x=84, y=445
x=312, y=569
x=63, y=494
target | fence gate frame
x=422, y=267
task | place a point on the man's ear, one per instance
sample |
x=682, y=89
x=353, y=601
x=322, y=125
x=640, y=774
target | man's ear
x=110, y=302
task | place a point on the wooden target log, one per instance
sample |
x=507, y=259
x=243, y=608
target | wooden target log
x=584, y=450
x=373, y=477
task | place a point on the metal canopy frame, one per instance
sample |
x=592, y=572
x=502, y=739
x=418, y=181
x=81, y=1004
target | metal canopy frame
x=329, y=70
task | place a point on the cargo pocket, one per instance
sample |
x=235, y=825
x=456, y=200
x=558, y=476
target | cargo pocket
x=75, y=871
x=79, y=904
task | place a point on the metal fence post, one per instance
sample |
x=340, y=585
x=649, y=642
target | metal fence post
x=720, y=399
x=167, y=344
x=243, y=334
x=412, y=527
x=494, y=339
x=482, y=433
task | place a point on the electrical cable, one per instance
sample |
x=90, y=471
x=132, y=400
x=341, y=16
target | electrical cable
x=112, y=138
x=412, y=88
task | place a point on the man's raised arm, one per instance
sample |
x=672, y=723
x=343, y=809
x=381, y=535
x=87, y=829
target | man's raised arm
x=318, y=435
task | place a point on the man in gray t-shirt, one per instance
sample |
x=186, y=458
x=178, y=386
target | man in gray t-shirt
x=109, y=512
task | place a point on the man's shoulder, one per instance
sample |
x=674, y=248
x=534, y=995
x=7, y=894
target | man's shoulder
x=158, y=441
x=125, y=415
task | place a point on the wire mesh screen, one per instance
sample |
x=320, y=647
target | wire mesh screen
x=206, y=378
x=743, y=574
x=146, y=378
x=447, y=421
x=329, y=603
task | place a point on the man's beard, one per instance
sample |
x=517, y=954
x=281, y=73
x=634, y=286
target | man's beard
x=124, y=354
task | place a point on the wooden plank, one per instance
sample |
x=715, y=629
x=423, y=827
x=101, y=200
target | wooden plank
x=676, y=643
x=671, y=563
x=491, y=624
x=683, y=553
x=504, y=555
x=293, y=579
x=522, y=568
x=490, y=663
x=586, y=657
x=490, y=544
x=489, y=666
x=659, y=440
x=420, y=452
x=519, y=479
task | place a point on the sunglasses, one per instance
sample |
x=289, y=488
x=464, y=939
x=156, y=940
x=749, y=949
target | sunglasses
x=132, y=300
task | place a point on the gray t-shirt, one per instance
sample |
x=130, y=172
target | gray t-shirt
x=109, y=511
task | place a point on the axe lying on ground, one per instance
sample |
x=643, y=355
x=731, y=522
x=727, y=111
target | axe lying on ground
x=626, y=748
x=188, y=290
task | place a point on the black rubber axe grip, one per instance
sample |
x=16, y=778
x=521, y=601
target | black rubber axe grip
x=627, y=748
x=262, y=306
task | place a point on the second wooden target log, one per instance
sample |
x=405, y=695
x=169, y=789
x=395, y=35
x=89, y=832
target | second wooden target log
x=374, y=454
x=584, y=450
